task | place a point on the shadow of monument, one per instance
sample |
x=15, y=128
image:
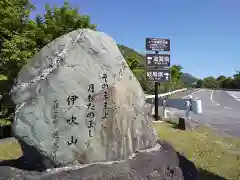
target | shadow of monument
x=190, y=172
x=174, y=124
x=188, y=168
x=206, y=175
x=31, y=160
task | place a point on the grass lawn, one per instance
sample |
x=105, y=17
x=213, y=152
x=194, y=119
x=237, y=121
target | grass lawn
x=2, y=77
x=9, y=150
x=217, y=155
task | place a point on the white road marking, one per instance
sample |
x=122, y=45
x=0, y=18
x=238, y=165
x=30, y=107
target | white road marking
x=211, y=98
x=191, y=94
x=234, y=94
x=228, y=108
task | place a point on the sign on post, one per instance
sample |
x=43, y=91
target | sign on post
x=158, y=75
x=157, y=44
x=157, y=65
x=158, y=60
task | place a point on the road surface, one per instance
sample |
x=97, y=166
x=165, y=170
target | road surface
x=220, y=109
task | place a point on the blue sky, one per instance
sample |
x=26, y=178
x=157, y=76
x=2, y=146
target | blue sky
x=205, y=34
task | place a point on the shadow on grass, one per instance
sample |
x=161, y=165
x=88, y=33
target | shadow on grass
x=205, y=175
x=190, y=172
x=173, y=124
x=188, y=168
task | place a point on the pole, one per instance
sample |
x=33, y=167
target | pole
x=187, y=109
x=164, y=109
x=156, y=101
x=156, y=97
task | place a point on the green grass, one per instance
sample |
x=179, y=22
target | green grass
x=217, y=155
x=2, y=77
x=5, y=122
x=10, y=150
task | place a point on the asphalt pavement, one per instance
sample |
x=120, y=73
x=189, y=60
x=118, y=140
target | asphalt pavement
x=220, y=109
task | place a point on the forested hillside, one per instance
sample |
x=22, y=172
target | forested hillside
x=126, y=51
x=188, y=79
x=221, y=82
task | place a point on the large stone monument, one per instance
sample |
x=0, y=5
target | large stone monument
x=77, y=101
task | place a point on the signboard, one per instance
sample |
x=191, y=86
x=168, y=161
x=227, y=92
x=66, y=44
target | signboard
x=158, y=75
x=157, y=44
x=158, y=60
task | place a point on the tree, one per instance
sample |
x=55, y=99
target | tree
x=176, y=73
x=210, y=82
x=128, y=52
x=58, y=21
x=220, y=80
x=21, y=38
x=237, y=75
x=200, y=84
x=14, y=17
x=15, y=35
x=139, y=73
x=236, y=80
x=132, y=61
x=227, y=83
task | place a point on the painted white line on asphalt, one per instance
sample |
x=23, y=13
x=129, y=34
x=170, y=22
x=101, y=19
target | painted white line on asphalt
x=228, y=108
x=191, y=94
x=234, y=94
x=211, y=96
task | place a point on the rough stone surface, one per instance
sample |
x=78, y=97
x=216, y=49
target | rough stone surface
x=60, y=114
x=158, y=163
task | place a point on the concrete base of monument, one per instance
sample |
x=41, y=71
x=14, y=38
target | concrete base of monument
x=161, y=162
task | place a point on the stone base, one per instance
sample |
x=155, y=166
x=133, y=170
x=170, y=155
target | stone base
x=159, y=163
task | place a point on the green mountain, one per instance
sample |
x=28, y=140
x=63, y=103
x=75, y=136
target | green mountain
x=126, y=51
x=188, y=79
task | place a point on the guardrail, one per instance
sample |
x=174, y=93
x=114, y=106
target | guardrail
x=187, y=105
x=166, y=94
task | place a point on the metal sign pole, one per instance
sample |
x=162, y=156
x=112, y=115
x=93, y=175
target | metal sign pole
x=156, y=97
x=156, y=101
